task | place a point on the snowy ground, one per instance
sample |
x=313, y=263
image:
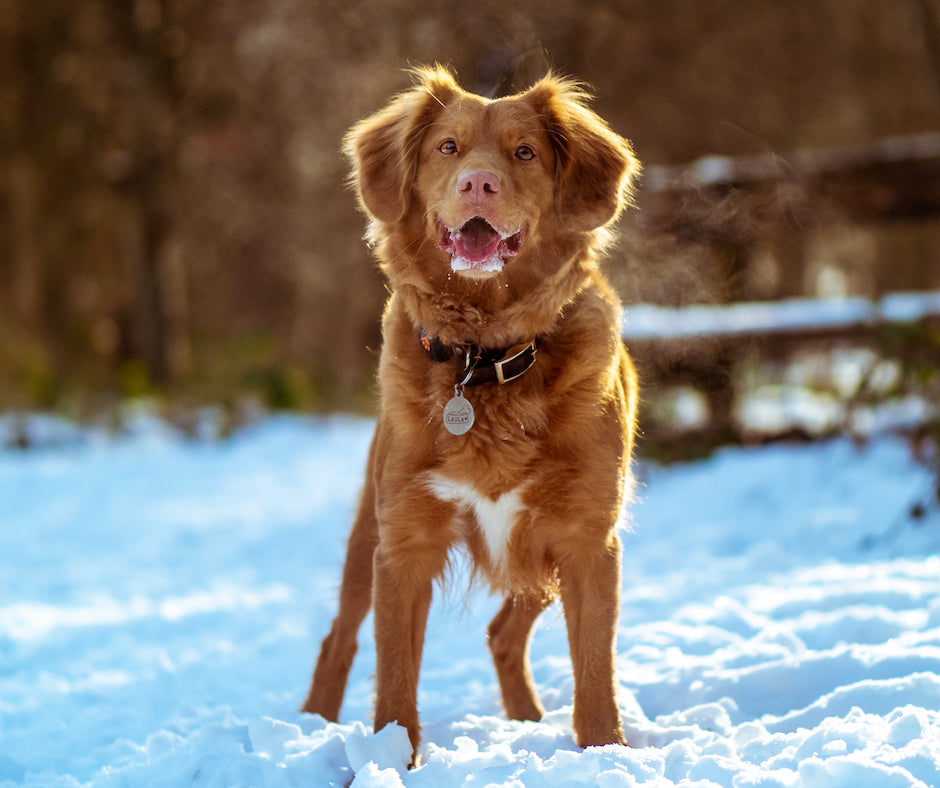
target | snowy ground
x=162, y=601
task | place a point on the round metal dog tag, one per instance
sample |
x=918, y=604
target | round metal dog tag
x=458, y=415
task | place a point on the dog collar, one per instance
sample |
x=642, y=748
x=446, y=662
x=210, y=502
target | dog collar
x=483, y=366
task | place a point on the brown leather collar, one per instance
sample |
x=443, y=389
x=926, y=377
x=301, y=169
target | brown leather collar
x=483, y=366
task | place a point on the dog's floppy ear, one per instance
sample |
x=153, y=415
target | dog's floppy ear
x=384, y=147
x=594, y=167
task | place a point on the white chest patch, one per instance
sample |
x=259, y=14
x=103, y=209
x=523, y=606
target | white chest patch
x=496, y=518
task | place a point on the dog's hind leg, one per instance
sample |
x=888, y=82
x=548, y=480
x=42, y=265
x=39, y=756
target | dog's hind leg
x=355, y=598
x=508, y=639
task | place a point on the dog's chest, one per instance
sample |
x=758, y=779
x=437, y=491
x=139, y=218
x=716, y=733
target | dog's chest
x=496, y=518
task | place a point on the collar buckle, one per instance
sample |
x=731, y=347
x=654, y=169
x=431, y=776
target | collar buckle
x=506, y=371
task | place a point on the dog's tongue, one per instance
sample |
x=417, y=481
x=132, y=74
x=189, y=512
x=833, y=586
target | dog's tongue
x=476, y=241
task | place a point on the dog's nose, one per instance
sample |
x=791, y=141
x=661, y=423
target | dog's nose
x=477, y=184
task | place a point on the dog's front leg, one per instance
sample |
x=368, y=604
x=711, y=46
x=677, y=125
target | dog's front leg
x=401, y=599
x=590, y=594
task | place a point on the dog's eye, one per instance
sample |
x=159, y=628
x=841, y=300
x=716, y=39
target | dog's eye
x=448, y=147
x=525, y=153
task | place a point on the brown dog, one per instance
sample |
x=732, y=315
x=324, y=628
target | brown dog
x=507, y=398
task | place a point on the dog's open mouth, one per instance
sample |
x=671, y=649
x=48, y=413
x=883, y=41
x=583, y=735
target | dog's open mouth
x=477, y=246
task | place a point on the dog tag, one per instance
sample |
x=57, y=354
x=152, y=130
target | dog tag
x=458, y=414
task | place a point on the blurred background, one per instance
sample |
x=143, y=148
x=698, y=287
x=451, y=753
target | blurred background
x=175, y=224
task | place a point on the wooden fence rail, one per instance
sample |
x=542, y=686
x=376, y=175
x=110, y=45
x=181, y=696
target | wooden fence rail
x=809, y=316
x=705, y=347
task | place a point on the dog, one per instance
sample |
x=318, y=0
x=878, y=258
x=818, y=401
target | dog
x=507, y=398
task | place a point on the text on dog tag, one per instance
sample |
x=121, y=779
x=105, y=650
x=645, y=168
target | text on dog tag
x=458, y=415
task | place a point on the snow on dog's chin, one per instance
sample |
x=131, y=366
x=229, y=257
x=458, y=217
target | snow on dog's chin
x=466, y=267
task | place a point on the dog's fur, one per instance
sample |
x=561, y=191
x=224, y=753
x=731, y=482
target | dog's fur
x=534, y=490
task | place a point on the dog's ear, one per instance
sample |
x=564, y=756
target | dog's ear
x=384, y=147
x=594, y=167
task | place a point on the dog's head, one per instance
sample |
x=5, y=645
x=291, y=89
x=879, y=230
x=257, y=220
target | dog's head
x=458, y=183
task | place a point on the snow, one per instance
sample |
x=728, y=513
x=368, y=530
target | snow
x=163, y=599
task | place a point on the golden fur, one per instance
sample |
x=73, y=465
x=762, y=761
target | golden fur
x=534, y=490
